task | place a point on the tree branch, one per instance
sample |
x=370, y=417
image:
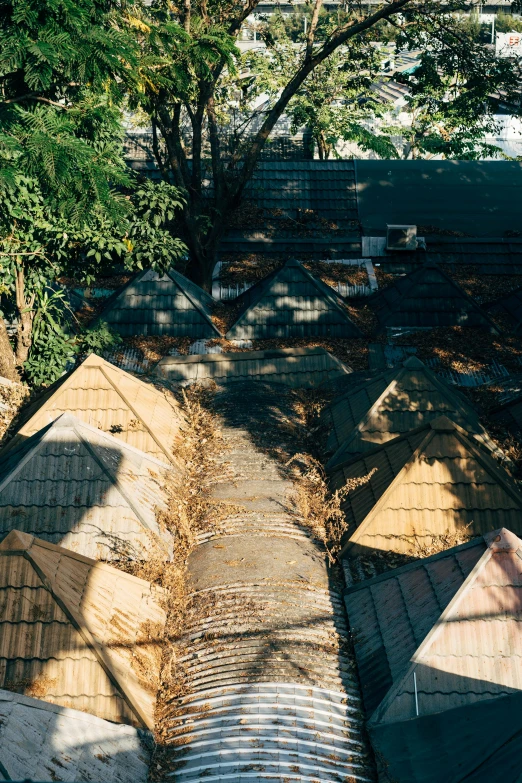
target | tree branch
x=310, y=38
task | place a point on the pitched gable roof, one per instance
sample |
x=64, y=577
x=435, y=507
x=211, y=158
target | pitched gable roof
x=112, y=400
x=76, y=486
x=473, y=650
x=391, y=404
x=41, y=741
x=154, y=304
x=77, y=632
x=431, y=481
x=291, y=302
x=509, y=307
x=427, y=298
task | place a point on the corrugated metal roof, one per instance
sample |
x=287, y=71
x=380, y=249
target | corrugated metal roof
x=76, y=486
x=112, y=400
x=431, y=481
x=427, y=298
x=154, y=304
x=272, y=690
x=509, y=306
x=291, y=302
x=294, y=367
x=450, y=633
x=390, y=404
x=41, y=741
x=77, y=632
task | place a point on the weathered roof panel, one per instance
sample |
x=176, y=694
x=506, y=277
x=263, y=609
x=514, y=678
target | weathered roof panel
x=294, y=367
x=112, y=400
x=77, y=632
x=427, y=298
x=154, y=304
x=76, y=486
x=434, y=481
x=291, y=302
x=510, y=308
x=43, y=741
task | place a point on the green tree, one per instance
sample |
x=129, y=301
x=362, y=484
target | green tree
x=198, y=100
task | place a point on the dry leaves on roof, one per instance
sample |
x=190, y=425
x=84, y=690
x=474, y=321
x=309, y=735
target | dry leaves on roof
x=13, y=396
x=155, y=347
x=483, y=288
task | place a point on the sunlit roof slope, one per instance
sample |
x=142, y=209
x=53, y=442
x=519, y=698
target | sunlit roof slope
x=42, y=741
x=154, y=304
x=79, y=487
x=390, y=404
x=78, y=633
x=111, y=400
x=291, y=302
x=439, y=650
x=419, y=487
x=427, y=298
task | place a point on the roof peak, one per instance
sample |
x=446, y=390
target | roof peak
x=412, y=362
x=15, y=541
x=503, y=540
x=444, y=424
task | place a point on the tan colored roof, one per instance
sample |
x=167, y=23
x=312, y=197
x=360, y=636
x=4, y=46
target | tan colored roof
x=111, y=400
x=391, y=404
x=76, y=632
x=431, y=481
x=76, y=486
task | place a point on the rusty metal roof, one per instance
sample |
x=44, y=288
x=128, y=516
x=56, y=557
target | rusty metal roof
x=77, y=632
x=290, y=302
x=76, y=486
x=451, y=636
x=509, y=306
x=154, y=304
x=294, y=367
x=435, y=480
x=427, y=298
x=111, y=400
x=390, y=404
x=42, y=741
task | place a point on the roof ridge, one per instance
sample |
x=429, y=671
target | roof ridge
x=173, y=274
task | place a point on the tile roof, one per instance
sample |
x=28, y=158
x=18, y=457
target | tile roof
x=291, y=302
x=448, y=640
x=294, y=367
x=509, y=306
x=510, y=416
x=153, y=304
x=390, y=404
x=77, y=632
x=74, y=485
x=112, y=400
x=433, y=480
x=493, y=256
x=427, y=298
x=42, y=741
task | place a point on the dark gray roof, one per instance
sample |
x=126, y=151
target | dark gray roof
x=294, y=367
x=427, y=298
x=291, y=302
x=153, y=304
x=492, y=256
x=509, y=307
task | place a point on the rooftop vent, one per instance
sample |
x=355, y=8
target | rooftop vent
x=401, y=237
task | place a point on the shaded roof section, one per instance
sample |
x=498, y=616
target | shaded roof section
x=509, y=307
x=111, y=400
x=78, y=633
x=510, y=416
x=390, y=404
x=74, y=485
x=291, y=302
x=427, y=298
x=154, y=304
x=294, y=367
x=42, y=741
x=434, y=481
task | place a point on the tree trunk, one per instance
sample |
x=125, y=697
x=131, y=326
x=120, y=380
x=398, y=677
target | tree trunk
x=24, y=335
x=201, y=266
x=7, y=358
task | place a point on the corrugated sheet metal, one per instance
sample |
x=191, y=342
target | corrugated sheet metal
x=294, y=367
x=76, y=486
x=427, y=298
x=272, y=689
x=391, y=404
x=467, y=664
x=110, y=399
x=290, y=302
x=78, y=633
x=153, y=304
x=430, y=482
x=42, y=741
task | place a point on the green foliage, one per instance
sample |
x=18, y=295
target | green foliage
x=98, y=338
x=507, y=23
x=52, y=348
